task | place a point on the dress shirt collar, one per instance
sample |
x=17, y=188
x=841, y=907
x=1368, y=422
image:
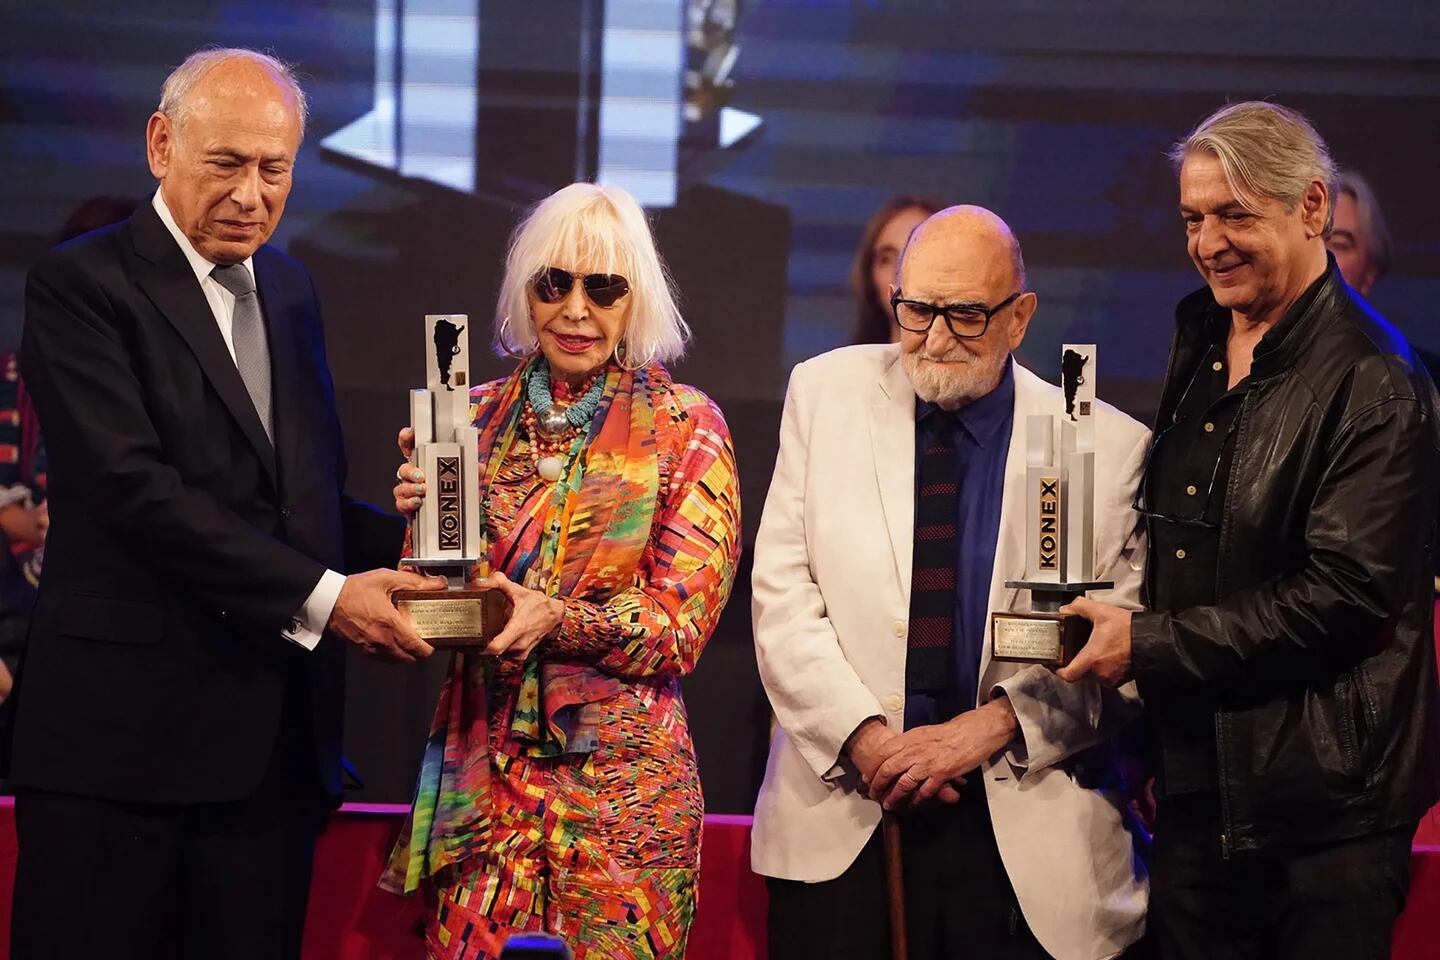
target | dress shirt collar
x=984, y=417
x=199, y=264
x=1217, y=318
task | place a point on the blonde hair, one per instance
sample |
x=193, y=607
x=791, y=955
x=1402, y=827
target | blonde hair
x=1265, y=151
x=175, y=94
x=596, y=229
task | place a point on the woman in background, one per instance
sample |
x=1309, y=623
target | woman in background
x=559, y=790
x=24, y=512
x=873, y=270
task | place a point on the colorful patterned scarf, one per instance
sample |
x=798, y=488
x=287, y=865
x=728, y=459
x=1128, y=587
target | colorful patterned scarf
x=584, y=542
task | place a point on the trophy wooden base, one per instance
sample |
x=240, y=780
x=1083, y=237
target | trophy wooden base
x=1045, y=636
x=1051, y=639
x=454, y=618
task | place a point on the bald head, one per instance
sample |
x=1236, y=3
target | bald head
x=963, y=304
x=229, y=72
x=223, y=146
x=964, y=239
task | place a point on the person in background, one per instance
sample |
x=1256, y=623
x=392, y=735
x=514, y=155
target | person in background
x=24, y=514
x=1286, y=653
x=559, y=790
x=1359, y=237
x=1360, y=242
x=873, y=271
x=24, y=517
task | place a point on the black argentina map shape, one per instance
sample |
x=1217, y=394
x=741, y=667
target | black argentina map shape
x=1072, y=374
x=447, y=345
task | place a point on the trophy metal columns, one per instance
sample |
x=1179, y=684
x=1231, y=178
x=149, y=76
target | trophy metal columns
x=445, y=534
x=1059, y=524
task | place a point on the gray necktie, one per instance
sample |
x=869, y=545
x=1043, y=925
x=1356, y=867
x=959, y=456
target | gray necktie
x=247, y=332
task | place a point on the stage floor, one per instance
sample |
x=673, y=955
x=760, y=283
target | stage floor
x=352, y=920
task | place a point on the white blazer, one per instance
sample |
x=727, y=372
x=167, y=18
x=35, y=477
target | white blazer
x=831, y=603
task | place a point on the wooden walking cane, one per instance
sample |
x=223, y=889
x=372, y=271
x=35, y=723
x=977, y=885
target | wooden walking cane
x=894, y=886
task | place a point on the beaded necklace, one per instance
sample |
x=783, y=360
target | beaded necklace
x=553, y=429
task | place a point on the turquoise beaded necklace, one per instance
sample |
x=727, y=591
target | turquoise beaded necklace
x=551, y=420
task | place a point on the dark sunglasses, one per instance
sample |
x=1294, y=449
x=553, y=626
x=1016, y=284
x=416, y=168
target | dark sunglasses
x=552, y=285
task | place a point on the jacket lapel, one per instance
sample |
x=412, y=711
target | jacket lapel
x=285, y=373
x=170, y=284
x=892, y=444
x=1010, y=542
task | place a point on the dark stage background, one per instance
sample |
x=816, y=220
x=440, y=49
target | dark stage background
x=1054, y=114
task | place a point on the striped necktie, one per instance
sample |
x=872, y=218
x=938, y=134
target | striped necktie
x=930, y=648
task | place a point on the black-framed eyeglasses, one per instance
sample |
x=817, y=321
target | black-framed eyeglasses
x=965, y=320
x=552, y=285
x=1200, y=518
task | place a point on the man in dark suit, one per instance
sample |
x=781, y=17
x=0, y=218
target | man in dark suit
x=177, y=734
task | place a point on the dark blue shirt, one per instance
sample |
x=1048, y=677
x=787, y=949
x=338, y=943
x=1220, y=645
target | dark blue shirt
x=981, y=432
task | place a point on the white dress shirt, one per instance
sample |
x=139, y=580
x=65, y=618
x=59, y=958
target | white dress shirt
x=309, y=621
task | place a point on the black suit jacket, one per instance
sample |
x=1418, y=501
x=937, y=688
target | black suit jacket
x=181, y=543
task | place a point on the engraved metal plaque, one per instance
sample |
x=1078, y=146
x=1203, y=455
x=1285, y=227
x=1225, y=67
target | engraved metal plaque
x=457, y=618
x=1029, y=638
x=1052, y=639
x=436, y=619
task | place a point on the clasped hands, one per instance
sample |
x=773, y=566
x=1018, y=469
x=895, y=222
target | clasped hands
x=926, y=765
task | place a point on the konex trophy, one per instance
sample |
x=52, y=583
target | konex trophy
x=1059, y=524
x=445, y=534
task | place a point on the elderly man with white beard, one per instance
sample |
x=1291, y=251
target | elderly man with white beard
x=895, y=516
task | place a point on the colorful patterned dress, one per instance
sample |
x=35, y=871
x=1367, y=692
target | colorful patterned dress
x=561, y=794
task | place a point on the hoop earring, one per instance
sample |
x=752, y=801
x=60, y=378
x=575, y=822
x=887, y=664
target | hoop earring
x=503, y=340
x=622, y=354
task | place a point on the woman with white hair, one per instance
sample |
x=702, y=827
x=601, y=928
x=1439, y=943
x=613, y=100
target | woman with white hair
x=559, y=789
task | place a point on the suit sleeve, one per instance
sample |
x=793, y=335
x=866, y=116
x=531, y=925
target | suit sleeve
x=815, y=692
x=104, y=447
x=1367, y=522
x=1057, y=719
x=371, y=539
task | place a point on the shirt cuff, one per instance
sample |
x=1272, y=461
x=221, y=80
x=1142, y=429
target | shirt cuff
x=1017, y=751
x=309, y=621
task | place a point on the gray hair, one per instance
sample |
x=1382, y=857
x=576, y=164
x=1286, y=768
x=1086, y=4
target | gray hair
x=1372, y=220
x=1266, y=151
x=596, y=229
x=175, y=94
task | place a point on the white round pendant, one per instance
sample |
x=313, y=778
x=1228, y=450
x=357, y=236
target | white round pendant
x=552, y=422
x=549, y=468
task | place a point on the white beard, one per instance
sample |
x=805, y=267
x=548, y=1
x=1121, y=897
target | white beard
x=953, y=384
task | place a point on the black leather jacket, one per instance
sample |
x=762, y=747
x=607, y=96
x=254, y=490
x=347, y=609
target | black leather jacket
x=1319, y=660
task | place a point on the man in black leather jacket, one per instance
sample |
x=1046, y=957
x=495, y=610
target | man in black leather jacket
x=1287, y=657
